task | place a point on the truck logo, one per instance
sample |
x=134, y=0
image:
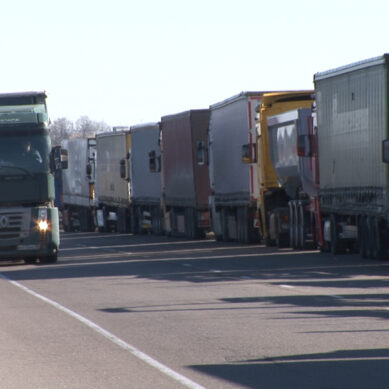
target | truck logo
x=4, y=222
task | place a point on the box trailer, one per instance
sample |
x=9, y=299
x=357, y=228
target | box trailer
x=78, y=200
x=352, y=121
x=185, y=176
x=234, y=184
x=145, y=178
x=112, y=191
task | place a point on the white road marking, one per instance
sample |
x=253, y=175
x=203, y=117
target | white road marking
x=335, y=296
x=114, y=339
x=287, y=286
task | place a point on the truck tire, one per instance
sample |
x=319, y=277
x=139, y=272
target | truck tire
x=291, y=225
x=335, y=244
x=139, y=221
x=30, y=260
x=224, y=223
x=301, y=227
x=363, y=237
x=122, y=220
x=242, y=224
x=375, y=251
x=173, y=223
x=282, y=240
x=156, y=221
x=48, y=259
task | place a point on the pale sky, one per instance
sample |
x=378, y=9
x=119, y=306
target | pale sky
x=128, y=62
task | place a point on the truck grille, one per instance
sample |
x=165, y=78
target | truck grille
x=11, y=223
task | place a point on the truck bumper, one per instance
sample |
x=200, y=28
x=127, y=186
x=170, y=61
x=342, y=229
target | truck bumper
x=23, y=232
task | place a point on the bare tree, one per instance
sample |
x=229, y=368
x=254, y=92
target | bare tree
x=60, y=129
x=84, y=127
x=87, y=128
x=63, y=128
x=102, y=127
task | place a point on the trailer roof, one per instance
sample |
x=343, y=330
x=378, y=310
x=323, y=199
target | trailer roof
x=182, y=114
x=383, y=59
x=273, y=97
x=111, y=133
x=144, y=126
x=239, y=96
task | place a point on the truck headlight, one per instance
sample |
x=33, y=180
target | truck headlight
x=43, y=225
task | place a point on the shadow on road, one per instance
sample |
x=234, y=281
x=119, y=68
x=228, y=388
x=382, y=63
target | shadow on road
x=163, y=258
x=198, y=262
x=357, y=369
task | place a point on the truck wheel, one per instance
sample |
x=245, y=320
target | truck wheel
x=291, y=225
x=297, y=226
x=242, y=221
x=301, y=227
x=363, y=236
x=335, y=241
x=224, y=223
x=374, y=238
x=190, y=223
x=156, y=221
x=282, y=240
x=82, y=217
x=48, y=259
x=139, y=221
x=30, y=260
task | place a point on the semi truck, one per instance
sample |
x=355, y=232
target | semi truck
x=185, y=176
x=145, y=178
x=78, y=201
x=273, y=198
x=296, y=167
x=29, y=223
x=352, y=125
x=113, y=194
x=234, y=185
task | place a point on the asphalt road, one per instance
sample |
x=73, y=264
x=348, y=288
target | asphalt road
x=124, y=311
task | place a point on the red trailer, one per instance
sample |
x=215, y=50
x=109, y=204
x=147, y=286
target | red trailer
x=185, y=178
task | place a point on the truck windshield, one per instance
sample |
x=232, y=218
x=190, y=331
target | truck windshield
x=24, y=113
x=20, y=154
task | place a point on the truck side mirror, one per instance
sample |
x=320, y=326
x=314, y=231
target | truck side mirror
x=64, y=158
x=154, y=162
x=58, y=159
x=385, y=151
x=200, y=152
x=123, y=169
x=249, y=153
x=89, y=170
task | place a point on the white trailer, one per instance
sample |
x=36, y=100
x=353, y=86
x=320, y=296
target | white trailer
x=145, y=178
x=234, y=183
x=352, y=121
x=78, y=195
x=113, y=193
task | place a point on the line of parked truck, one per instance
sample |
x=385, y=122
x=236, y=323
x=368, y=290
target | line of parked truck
x=303, y=168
